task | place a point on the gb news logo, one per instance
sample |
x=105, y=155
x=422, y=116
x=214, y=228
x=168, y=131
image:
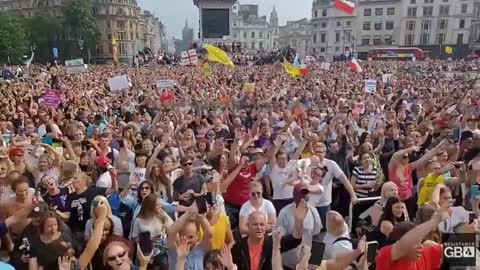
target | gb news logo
x=459, y=249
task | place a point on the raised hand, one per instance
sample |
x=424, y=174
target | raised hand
x=225, y=257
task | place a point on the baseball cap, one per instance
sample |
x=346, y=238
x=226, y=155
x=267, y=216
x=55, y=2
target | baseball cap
x=299, y=189
x=257, y=151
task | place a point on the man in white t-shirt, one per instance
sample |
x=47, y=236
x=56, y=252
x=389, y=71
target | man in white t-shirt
x=257, y=203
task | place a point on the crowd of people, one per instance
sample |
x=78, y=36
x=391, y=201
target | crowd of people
x=247, y=168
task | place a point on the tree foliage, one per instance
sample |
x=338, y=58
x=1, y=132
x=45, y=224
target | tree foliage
x=14, y=40
x=80, y=22
x=45, y=31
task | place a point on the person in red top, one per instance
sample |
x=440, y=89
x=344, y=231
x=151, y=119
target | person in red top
x=236, y=185
x=408, y=253
x=400, y=171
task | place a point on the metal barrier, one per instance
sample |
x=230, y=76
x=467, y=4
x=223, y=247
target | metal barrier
x=360, y=200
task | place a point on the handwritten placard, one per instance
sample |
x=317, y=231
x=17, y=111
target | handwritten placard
x=51, y=99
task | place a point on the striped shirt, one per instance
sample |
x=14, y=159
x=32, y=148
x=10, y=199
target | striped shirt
x=364, y=177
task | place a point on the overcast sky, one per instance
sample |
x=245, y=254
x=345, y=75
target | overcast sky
x=173, y=15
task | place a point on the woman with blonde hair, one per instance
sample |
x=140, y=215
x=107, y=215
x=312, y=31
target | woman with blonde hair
x=388, y=190
x=117, y=223
x=115, y=257
x=154, y=220
x=337, y=239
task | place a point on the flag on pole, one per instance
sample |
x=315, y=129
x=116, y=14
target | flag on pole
x=296, y=62
x=217, y=55
x=115, y=51
x=303, y=70
x=293, y=71
x=345, y=6
x=354, y=65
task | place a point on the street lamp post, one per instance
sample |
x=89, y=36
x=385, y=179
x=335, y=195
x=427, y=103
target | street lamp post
x=80, y=45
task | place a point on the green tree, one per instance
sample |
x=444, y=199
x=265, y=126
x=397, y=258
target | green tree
x=44, y=30
x=14, y=40
x=80, y=23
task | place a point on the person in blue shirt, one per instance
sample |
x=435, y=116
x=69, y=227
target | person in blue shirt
x=97, y=123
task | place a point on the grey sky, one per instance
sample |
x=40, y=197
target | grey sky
x=174, y=13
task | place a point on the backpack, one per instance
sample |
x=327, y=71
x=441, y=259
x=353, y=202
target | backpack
x=354, y=242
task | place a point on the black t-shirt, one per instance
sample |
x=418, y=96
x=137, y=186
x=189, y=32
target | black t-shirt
x=60, y=202
x=182, y=185
x=80, y=207
x=47, y=254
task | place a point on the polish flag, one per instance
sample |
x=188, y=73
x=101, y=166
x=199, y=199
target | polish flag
x=345, y=6
x=354, y=66
x=303, y=70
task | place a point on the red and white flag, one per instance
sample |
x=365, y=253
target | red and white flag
x=345, y=6
x=354, y=65
x=189, y=58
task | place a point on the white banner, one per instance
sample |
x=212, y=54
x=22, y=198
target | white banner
x=189, y=57
x=371, y=86
x=165, y=84
x=386, y=77
x=118, y=83
x=75, y=66
x=325, y=65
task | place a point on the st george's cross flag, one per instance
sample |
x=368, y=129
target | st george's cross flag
x=347, y=6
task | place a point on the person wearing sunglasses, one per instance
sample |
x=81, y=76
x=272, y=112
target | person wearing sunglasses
x=257, y=203
x=115, y=257
x=188, y=186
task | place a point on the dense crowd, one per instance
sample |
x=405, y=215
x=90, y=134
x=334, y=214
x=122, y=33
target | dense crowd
x=247, y=168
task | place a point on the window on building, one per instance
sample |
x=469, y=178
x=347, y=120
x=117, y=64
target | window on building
x=348, y=23
x=367, y=12
x=314, y=38
x=388, y=40
x=261, y=34
x=424, y=38
x=410, y=25
x=131, y=36
x=337, y=49
x=324, y=13
x=426, y=25
x=253, y=46
x=444, y=10
x=260, y=45
x=413, y=1
x=391, y=11
x=365, y=41
x=316, y=13
x=442, y=24
x=409, y=39
x=322, y=49
x=461, y=24
x=379, y=11
x=244, y=34
x=121, y=36
x=339, y=24
x=464, y=8
x=445, y=1
x=460, y=39
x=378, y=25
x=337, y=37
x=441, y=38
x=122, y=48
x=366, y=26
x=235, y=35
x=377, y=41
x=428, y=11
x=324, y=24
x=389, y=25
x=428, y=1
x=109, y=36
x=253, y=35
x=131, y=25
x=108, y=24
x=121, y=24
x=412, y=12
x=323, y=38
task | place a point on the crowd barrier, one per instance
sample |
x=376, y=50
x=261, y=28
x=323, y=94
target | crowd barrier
x=360, y=200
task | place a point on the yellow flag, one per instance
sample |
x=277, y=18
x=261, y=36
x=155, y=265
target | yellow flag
x=448, y=50
x=207, y=69
x=293, y=71
x=217, y=55
x=114, y=41
x=249, y=87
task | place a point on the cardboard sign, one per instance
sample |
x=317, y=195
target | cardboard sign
x=325, y=66
x=118, y=83
x=165, y=84
x=51, y=99
x=75, y=66
x=370, y=86
x=386, y=78
x=249, y=87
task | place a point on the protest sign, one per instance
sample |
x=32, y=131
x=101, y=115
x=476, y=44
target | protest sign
x=51, y=99
x=188, y=57
x=75, y=66
x=249, y=87
x=386, y=77
x=165, y=84
x=371, y=86
x=118, y=83
x=325, y=66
